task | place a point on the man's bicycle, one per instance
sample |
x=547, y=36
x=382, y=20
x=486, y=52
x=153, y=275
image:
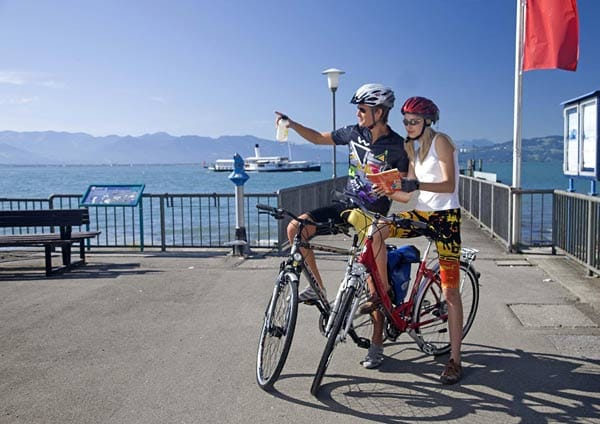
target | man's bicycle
x=423, y=314
x=280, y=316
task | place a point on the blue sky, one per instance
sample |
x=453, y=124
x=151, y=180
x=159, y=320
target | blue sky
x=215, y=68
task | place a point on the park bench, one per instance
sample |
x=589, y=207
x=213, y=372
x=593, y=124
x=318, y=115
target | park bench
x=63, y=219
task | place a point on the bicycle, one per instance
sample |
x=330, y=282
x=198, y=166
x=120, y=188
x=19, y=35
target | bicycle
x=280, y=316
x=423, y=314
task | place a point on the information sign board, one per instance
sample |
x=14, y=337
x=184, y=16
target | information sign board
x=112, y=195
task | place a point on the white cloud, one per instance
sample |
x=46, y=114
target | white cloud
x=19, y=101
x=28, y=78
x=14, y=78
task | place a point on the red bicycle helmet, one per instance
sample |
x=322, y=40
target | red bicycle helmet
x=421, y=106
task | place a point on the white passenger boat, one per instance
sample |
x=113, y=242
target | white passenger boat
x=258, y=163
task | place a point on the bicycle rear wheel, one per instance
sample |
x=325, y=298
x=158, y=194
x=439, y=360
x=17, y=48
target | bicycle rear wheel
x=277, y=331
x=333, y=338
x=430, y=316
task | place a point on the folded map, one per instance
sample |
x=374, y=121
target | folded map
x=389, y=180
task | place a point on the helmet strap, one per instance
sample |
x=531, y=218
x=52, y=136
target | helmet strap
x=383, y=115
x=370, y=127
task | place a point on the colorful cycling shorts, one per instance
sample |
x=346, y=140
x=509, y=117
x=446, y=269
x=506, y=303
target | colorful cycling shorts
x=447, y=222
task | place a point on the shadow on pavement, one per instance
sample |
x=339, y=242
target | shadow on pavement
x=83, y=272
x=536, y=387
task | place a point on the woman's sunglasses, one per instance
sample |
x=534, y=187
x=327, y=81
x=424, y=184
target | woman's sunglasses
x=411, y=122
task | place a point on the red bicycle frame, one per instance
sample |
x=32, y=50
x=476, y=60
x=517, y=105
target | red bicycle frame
x=400, y=315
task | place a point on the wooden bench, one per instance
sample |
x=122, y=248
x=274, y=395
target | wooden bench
x=63, y=219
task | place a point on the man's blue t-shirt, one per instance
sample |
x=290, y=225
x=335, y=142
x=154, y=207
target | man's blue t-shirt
x=367, y=156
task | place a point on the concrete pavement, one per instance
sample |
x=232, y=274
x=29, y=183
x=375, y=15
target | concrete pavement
x=171, y=338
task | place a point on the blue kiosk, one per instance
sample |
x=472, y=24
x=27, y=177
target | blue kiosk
x=581, y=141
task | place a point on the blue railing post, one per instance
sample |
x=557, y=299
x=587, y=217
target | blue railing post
x=239, y=178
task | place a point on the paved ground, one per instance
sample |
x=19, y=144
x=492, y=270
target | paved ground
x=171, y=338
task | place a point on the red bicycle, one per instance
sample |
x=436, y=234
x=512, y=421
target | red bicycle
x=423, y=314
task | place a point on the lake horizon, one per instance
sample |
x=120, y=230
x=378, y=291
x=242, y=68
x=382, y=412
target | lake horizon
x=41, y=181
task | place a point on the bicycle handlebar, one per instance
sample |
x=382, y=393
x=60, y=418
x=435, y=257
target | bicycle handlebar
x=419, y=227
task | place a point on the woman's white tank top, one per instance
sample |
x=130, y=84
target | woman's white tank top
x=430, y=171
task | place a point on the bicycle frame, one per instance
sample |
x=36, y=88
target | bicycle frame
x=355, y=277
x=401, y=316
x=296, y=264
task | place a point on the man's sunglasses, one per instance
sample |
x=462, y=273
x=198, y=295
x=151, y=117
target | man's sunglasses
x=411, y=122
x=362, y=109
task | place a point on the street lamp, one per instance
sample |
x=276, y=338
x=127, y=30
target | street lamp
x=333, y=81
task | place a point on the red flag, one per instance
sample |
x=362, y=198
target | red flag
x=551, y=35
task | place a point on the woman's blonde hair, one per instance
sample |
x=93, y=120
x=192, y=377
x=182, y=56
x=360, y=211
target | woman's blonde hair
x=425, y=144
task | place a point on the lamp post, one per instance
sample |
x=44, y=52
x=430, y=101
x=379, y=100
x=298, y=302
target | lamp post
x=333, y=81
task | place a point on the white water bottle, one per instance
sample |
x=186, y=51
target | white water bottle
x=282, y=128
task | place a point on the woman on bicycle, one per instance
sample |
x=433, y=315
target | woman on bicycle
x=433, y=170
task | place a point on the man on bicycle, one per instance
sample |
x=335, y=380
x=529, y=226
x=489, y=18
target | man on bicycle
x=373, y=146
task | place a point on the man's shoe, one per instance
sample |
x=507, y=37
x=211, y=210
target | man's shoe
x=308, y=295
x=374, y=357
x=452, y=373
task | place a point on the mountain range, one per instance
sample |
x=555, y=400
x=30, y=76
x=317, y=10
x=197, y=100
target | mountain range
x=63, y=148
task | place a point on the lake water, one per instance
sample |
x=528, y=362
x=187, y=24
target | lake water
x=42, y=181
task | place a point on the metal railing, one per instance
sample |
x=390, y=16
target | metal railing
x=549, y=218
x=536, y=217
x=489, y=203
x=164, y=220
x=556, y=219
x=304, y=198
x=185, y=220
x=577, y=220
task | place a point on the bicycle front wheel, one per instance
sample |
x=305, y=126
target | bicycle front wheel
x=277, y=331
x=362, y=324
x=430, y=316
x=334, y=338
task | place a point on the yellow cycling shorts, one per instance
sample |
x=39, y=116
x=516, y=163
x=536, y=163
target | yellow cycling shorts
x=447, y=222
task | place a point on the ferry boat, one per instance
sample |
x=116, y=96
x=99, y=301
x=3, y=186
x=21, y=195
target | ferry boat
x=258, y=163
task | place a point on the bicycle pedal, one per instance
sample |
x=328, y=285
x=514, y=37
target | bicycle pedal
x=392, y=334
x=363, y=343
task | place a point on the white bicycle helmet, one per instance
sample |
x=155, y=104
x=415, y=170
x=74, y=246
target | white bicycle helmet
x=374, y=95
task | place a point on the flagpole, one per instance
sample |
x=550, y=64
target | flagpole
x=515, y=234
